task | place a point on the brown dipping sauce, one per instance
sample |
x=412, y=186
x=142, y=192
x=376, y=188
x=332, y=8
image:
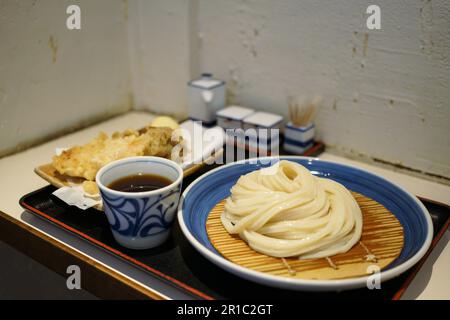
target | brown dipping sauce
x=140, y=183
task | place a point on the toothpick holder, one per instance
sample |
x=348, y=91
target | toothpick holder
x=298, y=139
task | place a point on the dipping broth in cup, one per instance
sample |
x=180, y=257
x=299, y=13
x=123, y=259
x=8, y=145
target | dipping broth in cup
x=140, y=183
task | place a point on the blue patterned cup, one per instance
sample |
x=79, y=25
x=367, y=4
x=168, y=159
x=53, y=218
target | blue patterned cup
x=140, y=220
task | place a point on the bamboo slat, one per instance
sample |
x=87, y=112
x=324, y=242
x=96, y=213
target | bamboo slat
x=382, y=237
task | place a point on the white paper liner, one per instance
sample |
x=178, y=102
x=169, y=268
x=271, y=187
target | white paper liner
x=75, y=196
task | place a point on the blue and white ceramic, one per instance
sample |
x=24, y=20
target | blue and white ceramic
x=298, y=139
x=205, y=192
x=140, y=220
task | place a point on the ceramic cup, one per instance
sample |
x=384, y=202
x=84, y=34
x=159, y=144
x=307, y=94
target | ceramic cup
x=140, y=220
x=298, y=139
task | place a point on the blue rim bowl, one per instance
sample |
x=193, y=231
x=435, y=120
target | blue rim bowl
x=206, y=191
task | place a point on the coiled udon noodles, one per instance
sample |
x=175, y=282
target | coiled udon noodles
x=285, y=211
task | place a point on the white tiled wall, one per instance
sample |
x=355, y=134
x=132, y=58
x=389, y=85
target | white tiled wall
x=53, y=79
x=160, y=56
x=386, y=92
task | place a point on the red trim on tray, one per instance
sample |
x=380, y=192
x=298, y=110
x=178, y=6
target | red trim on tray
x=419, y=265
x=396, y=296
x=316, y=146
x=122, y=255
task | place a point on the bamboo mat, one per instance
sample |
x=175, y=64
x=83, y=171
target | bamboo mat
x=381, y=243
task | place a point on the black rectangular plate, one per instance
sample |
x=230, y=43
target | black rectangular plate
x=179, y=264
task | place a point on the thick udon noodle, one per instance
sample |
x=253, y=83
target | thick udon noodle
x=286, y=212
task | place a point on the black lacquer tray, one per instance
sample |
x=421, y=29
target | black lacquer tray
x=178, y=263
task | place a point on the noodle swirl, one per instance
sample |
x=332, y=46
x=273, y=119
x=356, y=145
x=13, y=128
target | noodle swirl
x=289, y=212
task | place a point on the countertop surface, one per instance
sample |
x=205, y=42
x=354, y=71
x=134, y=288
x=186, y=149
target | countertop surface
x=18, y=178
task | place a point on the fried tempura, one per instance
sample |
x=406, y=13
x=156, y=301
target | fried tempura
x=84, y=161
x=90, y=188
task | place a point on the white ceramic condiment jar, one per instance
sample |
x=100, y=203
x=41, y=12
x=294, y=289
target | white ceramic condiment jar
x=206, y=95
x=231, y=117
x=262, y=130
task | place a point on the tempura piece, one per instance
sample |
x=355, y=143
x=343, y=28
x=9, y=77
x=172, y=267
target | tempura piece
x=84, y=161
x=90, y=188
